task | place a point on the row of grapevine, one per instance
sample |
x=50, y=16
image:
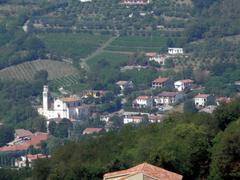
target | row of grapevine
x=26, y=71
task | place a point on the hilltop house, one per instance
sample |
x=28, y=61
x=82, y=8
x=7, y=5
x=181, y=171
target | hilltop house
x=168, y=98
x=143, y=171
x=132, y=119
x=67, y=107
x=143, y=102
x=175, y=51
x=202, y=100
x=158, y=58
x=161, y=82
x=124, y=85
x=155, y=118
x=135, y=2
x=184, y=84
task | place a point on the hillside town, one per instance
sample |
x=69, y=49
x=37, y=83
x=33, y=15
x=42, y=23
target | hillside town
x=119, y=89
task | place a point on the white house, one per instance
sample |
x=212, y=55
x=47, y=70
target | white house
x=68, y=107
x=143, y=102
x=202, y=100
x=158, y=58
x=184, y=84
x=125, y=84
x=132, y=119
x=155, y=118
x=135, y=2
x=175, y=51
x=168, y=98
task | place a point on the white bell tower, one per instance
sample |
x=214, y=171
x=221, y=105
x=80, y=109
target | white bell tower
x=45, y=98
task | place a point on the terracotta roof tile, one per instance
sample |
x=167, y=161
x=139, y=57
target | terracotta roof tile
x=70, y=99
x=143, y=97
x=146, y=169
x=160, y=80
x=186, y=81
x=202, y=96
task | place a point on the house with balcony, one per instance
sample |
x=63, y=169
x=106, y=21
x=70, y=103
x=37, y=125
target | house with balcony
x=162, y=82
x=168, y=98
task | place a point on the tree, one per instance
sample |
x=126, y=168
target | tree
x=6, y=134
x=183, y=149
x=227, y=113
x=200, y=4
x=63, y=128
x=189, y=107
x=226, y=154
x=52, y=127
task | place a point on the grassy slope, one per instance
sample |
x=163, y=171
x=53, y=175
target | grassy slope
x=114, y=59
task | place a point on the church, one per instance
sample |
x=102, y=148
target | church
x=59, y=108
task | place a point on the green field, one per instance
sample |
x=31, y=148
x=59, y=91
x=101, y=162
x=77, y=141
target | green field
x=26, y=71
x=114, y=59
x=138, y=43
x=75, y=46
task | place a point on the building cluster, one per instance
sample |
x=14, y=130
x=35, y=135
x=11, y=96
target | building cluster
x=161, y=59
x=28, y=160
x=66, y=107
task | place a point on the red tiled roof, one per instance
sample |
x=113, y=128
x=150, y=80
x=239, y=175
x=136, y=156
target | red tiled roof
x=70, y=99
x=35, y=156
x=92, y=130
x=135, y=117
x=146, y=169
x=167, y=94
x=160, y=80
x=186, y=81
x=36, y=139
x=202, y=96
x=151, y=54
x=143, y=97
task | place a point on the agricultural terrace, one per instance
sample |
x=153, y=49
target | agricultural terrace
x=114, y=60
x=74, y=46
x=27, y=70
x=156, y=43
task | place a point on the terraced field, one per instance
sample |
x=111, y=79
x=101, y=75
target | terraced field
x=115, y=60
x=26, y=71
x=137, y=43
x=75, y=46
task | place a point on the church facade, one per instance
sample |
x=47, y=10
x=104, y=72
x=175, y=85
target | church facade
x=67, y=107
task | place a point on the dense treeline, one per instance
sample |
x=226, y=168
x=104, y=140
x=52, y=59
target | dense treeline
x=189, y=144
x=16, y=100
